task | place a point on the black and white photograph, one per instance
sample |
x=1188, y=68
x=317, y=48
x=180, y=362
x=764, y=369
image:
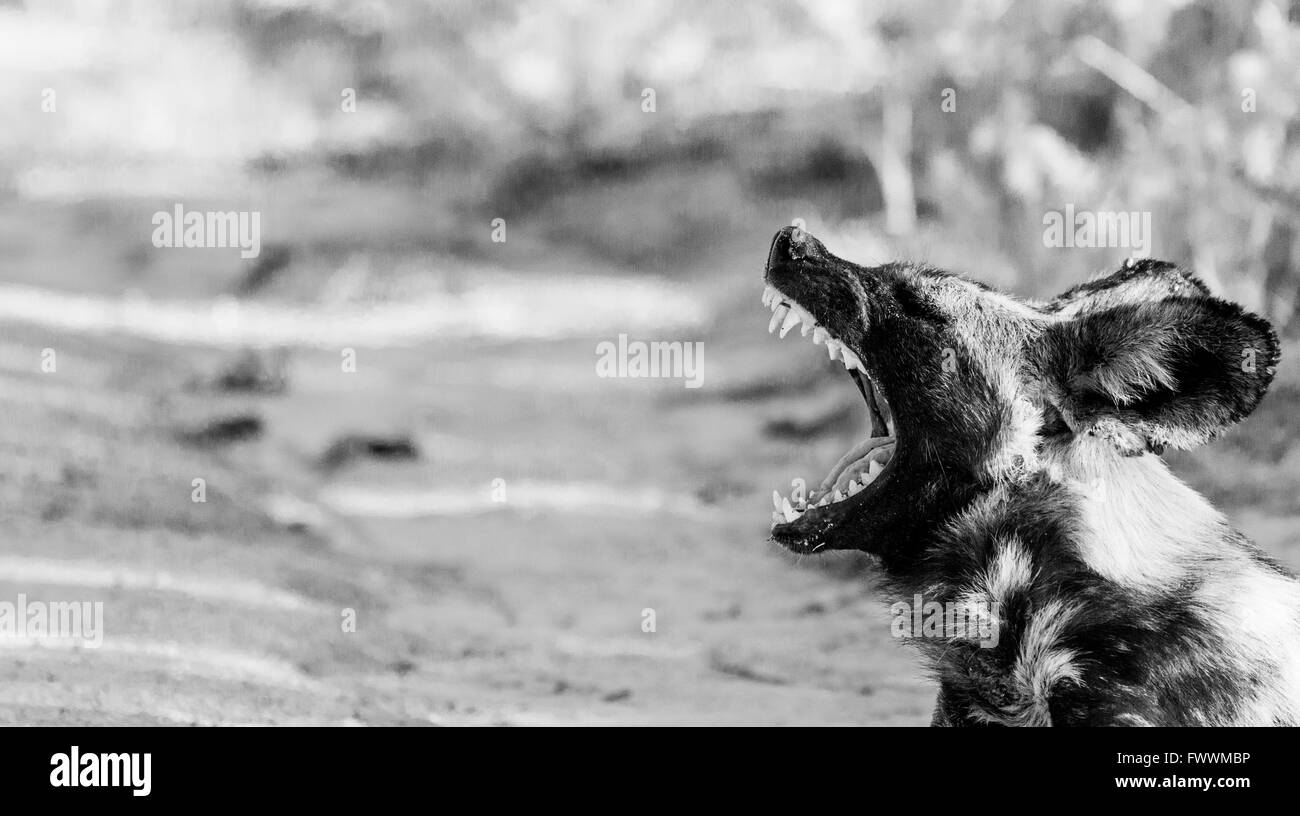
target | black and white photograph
x=605, y=363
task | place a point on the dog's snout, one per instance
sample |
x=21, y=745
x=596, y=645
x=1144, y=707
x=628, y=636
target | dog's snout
x=792, y=244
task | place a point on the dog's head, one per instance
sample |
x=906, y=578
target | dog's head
x=967, y=388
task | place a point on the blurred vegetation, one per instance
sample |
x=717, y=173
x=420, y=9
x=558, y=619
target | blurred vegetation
x=533, y=111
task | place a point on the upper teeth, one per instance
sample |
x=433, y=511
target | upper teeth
x=791, y=320
x=778, y=315
x=786, y=315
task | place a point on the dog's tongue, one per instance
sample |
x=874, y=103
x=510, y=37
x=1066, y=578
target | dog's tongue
x=857, y=459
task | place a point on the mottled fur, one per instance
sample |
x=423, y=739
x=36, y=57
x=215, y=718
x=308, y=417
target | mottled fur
x=1027, y=473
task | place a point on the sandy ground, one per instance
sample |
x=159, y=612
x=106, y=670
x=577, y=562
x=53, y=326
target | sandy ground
x=215, y=614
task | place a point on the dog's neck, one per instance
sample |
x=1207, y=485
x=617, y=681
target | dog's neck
x=1139, y=524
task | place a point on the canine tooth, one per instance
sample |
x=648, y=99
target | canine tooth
x=851, y=360
x=820, y=334
x=788, y=511
x=874, y=469
x=776, y=499
x=777, y=317
x=791, y=320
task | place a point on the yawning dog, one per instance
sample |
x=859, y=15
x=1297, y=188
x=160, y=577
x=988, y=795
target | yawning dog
x=1013, y=464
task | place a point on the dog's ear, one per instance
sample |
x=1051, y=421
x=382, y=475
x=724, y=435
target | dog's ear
x=1172, y=372
x=1139, y=280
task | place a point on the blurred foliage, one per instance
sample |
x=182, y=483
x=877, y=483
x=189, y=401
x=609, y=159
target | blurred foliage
x=534, y=110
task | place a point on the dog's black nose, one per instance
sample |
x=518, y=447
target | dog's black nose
x=793, y=244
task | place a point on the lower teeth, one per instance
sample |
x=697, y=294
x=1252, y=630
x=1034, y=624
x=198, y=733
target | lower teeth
x=843, y=489
x=857, y=464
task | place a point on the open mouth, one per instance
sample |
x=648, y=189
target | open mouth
x=861, y=469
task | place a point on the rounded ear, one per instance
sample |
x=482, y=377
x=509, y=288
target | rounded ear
x=1174, y=372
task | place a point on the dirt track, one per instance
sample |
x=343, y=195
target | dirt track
x=215, y=614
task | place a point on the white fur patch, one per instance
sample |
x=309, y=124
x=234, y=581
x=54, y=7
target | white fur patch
x=1142, y=527
x=1041, y=664
x=1256, y=612
x=1012, y=571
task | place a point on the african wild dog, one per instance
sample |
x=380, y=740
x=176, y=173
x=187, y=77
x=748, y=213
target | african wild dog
x=1014, y=458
